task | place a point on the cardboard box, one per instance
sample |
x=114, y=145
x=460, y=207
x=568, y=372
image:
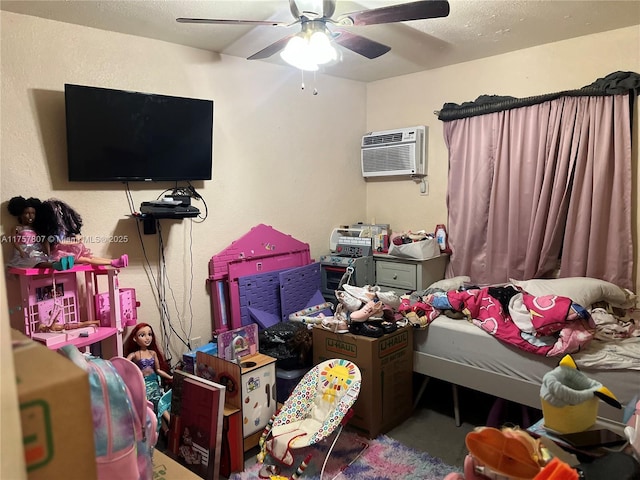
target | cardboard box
x=55, y=412
x=165, y=468
x=386, y=366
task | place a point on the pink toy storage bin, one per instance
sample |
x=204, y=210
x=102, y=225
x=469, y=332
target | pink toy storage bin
x=128, y=308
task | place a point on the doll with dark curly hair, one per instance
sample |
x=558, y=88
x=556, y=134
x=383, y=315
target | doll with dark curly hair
x=60, y=223
x=31, y=249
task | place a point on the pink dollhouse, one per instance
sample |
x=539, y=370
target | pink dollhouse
x=59, y=310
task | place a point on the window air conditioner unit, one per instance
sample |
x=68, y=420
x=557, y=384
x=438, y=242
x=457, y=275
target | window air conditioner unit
x=394, y=152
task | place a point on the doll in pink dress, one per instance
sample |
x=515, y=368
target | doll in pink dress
x=61, y=224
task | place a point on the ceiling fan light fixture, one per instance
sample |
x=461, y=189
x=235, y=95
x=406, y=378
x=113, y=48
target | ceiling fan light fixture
x=295, y=54
x=320, y=48
x=310, y=48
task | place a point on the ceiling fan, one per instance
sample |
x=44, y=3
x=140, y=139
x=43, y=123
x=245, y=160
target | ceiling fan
x=313, y=45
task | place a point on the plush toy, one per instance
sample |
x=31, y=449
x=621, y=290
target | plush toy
x=570, y=398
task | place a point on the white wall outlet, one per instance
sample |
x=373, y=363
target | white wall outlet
x=195, y=342
x=424, y=187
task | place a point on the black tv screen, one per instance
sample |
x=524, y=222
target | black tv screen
x=116, y=135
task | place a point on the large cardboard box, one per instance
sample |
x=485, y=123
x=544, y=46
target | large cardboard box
x=164, y=468
x=55, y=412
x=386, y=365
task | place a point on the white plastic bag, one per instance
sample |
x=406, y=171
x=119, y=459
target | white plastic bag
x=422, y=250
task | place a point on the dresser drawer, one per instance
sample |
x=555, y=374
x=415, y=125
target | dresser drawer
x=395, y=274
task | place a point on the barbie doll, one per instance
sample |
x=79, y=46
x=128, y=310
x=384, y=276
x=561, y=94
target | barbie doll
x=30, y=249
x=62, y=224
x=141, y=348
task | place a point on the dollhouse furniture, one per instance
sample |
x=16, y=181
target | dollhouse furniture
x=56, y=314
x=250, y=387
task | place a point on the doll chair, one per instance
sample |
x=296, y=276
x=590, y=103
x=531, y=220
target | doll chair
x=320, y=403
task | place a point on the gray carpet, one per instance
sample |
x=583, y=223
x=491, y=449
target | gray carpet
x=432, y=427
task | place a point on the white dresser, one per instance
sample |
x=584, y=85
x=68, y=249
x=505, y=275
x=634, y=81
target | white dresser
x=403, y=275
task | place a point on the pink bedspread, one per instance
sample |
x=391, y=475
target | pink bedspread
x=547, y=325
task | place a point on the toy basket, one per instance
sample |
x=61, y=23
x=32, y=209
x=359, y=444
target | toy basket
x=570, y=399
x=570, y=418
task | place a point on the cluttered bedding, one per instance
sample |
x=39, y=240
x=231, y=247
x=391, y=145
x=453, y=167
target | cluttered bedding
x=461, y=347
x=545, y=317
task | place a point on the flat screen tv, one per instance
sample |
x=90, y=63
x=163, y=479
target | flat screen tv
x=116, y=135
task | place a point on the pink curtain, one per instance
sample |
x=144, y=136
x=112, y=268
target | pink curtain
x=531, y=185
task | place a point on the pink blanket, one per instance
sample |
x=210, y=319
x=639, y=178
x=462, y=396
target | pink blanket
x=548, y=325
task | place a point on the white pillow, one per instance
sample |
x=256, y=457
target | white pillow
x=448, y=284
x=584, y=291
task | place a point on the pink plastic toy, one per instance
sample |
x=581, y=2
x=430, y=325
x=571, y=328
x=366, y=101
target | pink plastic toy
x=262, y=249
x=55, y=315
x=128, y=307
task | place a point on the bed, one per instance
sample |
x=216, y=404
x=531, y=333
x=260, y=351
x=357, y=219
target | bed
x=457, y=351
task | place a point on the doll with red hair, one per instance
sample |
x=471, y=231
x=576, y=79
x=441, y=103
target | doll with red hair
x=141, y=348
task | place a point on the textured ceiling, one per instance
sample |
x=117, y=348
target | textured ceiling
x=474, y=28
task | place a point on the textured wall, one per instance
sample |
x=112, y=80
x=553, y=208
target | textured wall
x=282, y=156
x=412, y=99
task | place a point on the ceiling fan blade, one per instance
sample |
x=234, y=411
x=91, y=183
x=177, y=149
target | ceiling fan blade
x=271, y=49
x=328, y=8
x=359, y=44
x=294, y=9
x=397, y=13
x=216, y=21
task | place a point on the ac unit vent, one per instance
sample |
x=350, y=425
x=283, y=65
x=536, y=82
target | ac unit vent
x=380, y=139
x=394, y=152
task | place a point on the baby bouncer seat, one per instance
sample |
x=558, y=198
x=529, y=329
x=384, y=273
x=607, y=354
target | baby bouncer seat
x=320, y=403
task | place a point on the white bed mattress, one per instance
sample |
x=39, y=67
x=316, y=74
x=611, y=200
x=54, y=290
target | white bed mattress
x=459, y=352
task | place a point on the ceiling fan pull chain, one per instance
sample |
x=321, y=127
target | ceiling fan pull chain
x=315, y=82
x=302, y=79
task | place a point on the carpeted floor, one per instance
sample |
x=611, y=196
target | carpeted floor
x=357, y=458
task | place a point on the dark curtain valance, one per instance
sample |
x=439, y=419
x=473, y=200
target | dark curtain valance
x=613, y=84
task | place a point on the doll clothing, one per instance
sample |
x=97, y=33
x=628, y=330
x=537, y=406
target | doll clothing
x=154, y=392
x=145, y=363
x=70, y=249
x=151, y=380
x=27, y=238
